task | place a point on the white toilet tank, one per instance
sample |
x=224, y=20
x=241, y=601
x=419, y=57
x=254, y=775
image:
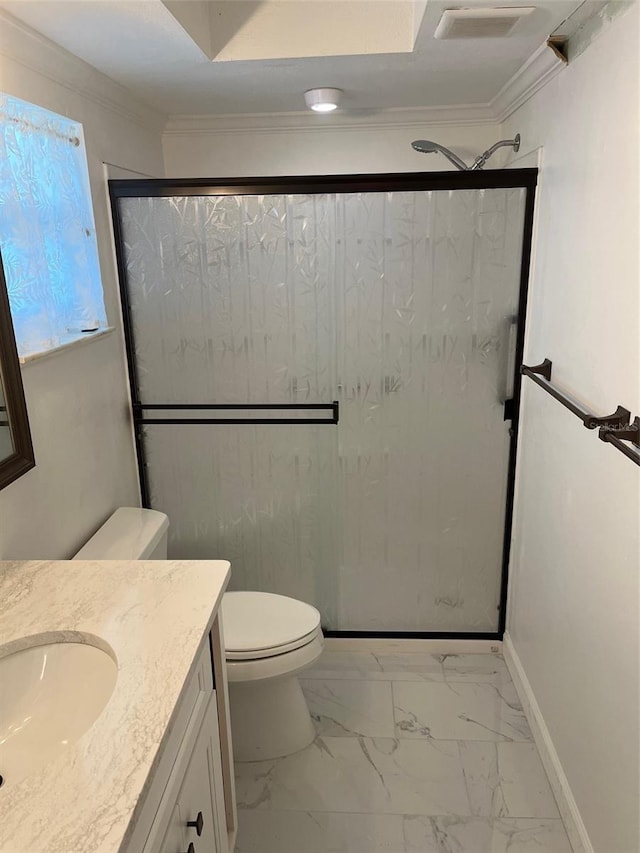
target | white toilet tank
x=129, y=534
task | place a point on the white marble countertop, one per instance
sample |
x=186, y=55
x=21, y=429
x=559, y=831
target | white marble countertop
x=153, y=615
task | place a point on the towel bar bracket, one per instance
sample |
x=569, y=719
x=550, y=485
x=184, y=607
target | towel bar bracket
x=619, y=418
x=543, y=369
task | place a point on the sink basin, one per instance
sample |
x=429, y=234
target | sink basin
x=50, y=695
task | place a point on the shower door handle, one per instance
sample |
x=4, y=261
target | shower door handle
x=509, y=366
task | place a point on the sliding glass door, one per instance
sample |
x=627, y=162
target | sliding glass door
x=271, y=315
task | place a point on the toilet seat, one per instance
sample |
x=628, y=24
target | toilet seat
x=285, y=665
x=260, y=625
x=259, y=654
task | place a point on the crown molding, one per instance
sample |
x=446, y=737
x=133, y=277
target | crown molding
x=541, y=67
x=465, y=114
x=21, y=44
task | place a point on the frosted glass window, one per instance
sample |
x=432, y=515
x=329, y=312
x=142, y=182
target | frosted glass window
x=47, y=231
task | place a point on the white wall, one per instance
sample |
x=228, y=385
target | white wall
x=573, y=614
x=77, y=399
x=322, y=147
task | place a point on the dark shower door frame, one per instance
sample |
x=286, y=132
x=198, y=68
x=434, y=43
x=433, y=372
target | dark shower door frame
x=389, y=182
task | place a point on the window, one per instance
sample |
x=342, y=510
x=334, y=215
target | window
x=47, y=231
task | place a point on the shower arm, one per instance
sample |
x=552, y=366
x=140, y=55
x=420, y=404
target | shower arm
x=479, y=162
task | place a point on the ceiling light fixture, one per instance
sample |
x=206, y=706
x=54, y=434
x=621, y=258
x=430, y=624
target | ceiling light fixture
x=323, y=100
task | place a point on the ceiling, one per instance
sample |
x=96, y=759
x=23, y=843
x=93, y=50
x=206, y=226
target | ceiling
x=144, y=47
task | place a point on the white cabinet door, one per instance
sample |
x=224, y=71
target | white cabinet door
x=199, y=797
x=191, y=817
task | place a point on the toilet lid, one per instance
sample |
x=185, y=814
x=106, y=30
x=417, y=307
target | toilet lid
x=254, y=622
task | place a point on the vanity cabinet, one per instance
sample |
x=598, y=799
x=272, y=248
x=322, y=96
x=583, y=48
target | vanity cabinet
x=190, y=804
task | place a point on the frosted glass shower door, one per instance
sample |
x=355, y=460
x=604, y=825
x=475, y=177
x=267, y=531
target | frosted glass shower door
x=231, y=302
x=427, y=286
x=400, y=305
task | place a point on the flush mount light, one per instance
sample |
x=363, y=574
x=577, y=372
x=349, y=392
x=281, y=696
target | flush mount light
x=323, y=100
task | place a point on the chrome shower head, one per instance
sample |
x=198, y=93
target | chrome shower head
x=424, y=146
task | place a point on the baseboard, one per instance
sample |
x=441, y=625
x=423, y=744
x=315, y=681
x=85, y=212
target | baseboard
x=380, y=646
x=567, y=805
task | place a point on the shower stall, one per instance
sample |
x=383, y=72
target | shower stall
x=325, y=386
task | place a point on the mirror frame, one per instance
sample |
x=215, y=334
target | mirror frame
x=22, y=458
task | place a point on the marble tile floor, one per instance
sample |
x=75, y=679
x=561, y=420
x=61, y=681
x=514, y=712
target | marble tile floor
x=415, y=753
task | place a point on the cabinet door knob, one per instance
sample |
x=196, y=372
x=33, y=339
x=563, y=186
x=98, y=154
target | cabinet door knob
x=197, y=824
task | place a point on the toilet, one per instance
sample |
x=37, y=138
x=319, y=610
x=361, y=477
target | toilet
x=269, y=640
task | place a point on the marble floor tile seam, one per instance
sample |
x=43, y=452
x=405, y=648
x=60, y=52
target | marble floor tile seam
x=368, y=662
x=436, y=815
x=436, y=740
x=413, y=739
x=431, y=816
x=410, y=675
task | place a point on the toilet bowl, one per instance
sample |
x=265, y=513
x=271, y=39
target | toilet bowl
x=269, y=639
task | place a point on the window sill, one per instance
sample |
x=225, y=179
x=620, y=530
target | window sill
x=75, y=340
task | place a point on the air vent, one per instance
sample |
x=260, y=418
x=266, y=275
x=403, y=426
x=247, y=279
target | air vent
x=480, y=23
